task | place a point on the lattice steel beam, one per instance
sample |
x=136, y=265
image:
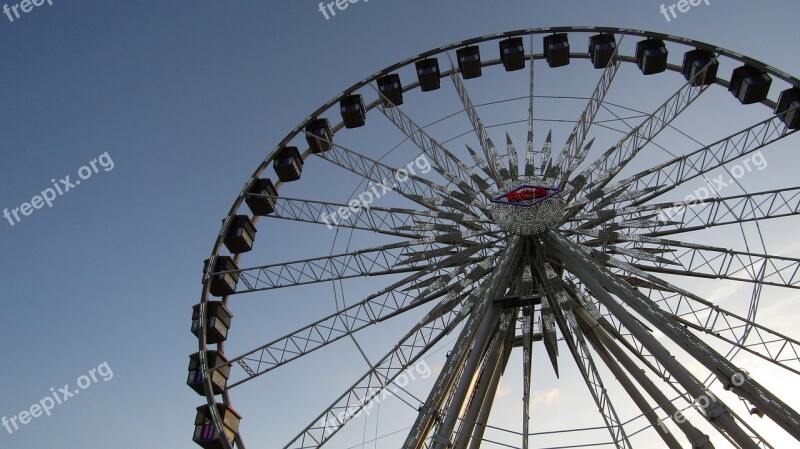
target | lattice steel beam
x=513, y=163
x=415, y=188
x=697, y=260
x=667, y=176
x=602, y=170
x=554, y=293
x=547, y=150
x=444, y=162
x=721, y=263
x=382, y=220
x=379, y=261
x=429, y=411
x=352, y=402
x=702, y=214
x=570, y=154
x=490, y=152
x=530, y=157
x=749, y=389
x=693, y=311
x=709, y=318
x=380, y=306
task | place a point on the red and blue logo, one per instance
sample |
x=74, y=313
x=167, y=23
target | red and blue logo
x=526, y=195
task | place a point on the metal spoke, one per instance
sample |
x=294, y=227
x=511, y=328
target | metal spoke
x=720, y=263
x=569, y=158
x=490, y=152
x=711, y=319
x=377, y=379
x=419, y=190
x=671, y=174
x=380, y=306
x=511, y=152
x=565, y=318
x=602, y=170
x=704, y=261
x=378, y=261
x=547, y=149
x=749, y=389
x=480, y=163
x=710, y=212
x=444, y=162
x=387, y=221
x=685, y=216
x=530, y=158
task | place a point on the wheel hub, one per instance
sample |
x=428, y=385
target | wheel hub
x=527, y=206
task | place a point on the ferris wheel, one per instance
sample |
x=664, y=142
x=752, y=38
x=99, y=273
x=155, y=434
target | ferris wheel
x=595, y=243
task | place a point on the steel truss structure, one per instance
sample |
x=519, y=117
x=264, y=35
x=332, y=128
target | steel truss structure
x=601, y=287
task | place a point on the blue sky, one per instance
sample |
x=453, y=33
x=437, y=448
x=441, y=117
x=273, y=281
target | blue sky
x=187, y=98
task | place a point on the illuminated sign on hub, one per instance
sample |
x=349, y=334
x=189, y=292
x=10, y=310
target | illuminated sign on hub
x=526, y=195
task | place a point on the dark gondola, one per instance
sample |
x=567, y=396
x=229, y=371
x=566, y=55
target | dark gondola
x=319, y=135
x=696, y=60
x=223, y=283
x=469, y=61
x=354, y=114
x=219, y=378
x=428, y=74
x=256, y=200
x=651, y=56
x=789, y=108
x=391, y=90
x=218, y=322
x=205, y=432
x=288, y=164
x=556, y=49
x=750, y=85
x=601, y=49
x=512, y=54
x=241, y=235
